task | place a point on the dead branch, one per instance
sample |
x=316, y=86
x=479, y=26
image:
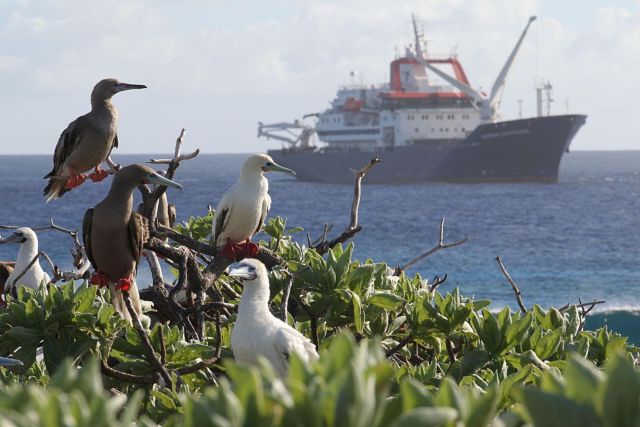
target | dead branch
x=441, y=245
x=323, y=246
x=162, y=370
x=515, y=288
x=437, y=281
x=401, y=344
x=122, y=376
x=286, y=292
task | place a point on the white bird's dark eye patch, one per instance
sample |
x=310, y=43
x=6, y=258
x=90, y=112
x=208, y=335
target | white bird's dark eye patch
x=269, y=164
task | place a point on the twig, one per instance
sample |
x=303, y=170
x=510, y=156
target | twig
x=441, y=245
x=22, y=273
x=515, y=288
x=353, y=227
x=146, y=342
x=122, y=376
x=401, y=344
x=285, y=297
x=450, y=351
x=154, y=266
x=437, y=281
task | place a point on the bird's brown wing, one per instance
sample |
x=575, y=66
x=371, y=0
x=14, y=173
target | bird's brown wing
x=6, y=268
x=68, y=141
x=86, y=236
x=138, y=235
x=172, y=215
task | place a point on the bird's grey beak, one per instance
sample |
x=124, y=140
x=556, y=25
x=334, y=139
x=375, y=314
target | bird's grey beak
x=274, y=167
x=161, y=180
x=243, y=272
x=5, y=361
x=128, y=86
x=14, y=238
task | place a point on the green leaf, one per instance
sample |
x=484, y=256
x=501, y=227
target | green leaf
x=516, y=330
x=551, y=410
x=427, y=417
x=620, y=394
x=357, y=312
x=386, y=300
x=548, y=344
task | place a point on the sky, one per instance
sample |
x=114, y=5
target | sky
x=216, y=68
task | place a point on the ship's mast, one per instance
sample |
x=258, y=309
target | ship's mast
x=418, y=38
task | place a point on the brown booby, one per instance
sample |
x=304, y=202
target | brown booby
x=114, y=235
x=244, y=207
x=87, y=141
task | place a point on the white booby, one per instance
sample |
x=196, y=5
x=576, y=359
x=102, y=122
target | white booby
x=114, y=235
x=259, y=333
x=244, y=207
x=87, y=141
x=34, y=276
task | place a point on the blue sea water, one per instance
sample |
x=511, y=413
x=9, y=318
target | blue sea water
x=577, y=239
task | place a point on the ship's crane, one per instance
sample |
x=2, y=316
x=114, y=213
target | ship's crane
x=488, y=105
x=297, y=134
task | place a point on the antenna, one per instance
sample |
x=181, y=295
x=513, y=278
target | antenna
x=548, y=96
x=418, y=38
x=520, y=108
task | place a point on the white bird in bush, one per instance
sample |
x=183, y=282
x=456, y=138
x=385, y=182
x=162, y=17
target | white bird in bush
x=243, y=208
x=33, y=275
x=257, y=332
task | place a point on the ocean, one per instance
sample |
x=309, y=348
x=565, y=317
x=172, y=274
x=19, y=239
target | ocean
x=578, y=239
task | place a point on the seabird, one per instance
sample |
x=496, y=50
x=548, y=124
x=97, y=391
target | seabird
x=259, y=333
x=87, y=141
x=34, y=275
x=114, y=235
x=6, y=267
x=244, y=207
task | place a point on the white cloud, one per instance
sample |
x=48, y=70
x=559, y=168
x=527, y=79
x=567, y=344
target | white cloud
x=218, y=69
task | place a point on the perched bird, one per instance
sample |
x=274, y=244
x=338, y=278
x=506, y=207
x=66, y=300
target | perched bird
x=6, y=267
x=257, y=332
x=114, y=235
x=33, y=275
x=244, y=207
x=87, y=141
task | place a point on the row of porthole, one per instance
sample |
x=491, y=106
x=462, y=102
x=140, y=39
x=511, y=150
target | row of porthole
x=438, y=117
x=433, y=130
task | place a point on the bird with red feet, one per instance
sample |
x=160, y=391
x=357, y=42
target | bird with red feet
x=87, y=141
x=244, y=207
x=114, y=236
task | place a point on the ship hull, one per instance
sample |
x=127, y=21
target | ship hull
x=525, y=150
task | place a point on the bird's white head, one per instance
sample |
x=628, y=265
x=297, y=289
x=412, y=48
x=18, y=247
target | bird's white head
x=21, y=235
x=250, y=271
x=258, y=164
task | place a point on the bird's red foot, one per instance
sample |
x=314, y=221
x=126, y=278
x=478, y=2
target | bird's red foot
x=124, y=284
x=99, y=279
x=74, y=181
x=238, y=251
x=249, y=249
x=98, y=175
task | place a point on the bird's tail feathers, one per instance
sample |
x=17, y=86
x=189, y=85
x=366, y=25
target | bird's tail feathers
x=55, y=188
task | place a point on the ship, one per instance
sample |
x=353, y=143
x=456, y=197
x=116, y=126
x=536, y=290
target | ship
x=426, y=125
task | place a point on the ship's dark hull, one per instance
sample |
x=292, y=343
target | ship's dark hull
x=525, y=150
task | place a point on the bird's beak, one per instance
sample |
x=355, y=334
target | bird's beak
x=5, y=361
x=128, y=86
x=14, y=238
x=274, y=167
x=161, y=180
x=242, y=272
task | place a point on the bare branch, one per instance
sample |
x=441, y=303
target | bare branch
x=353, y=227
x=162, y=370
x=401, y=344
x=515, y=288
x=437, y=281
x=441, y=245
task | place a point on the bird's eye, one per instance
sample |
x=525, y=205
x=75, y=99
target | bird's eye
x=269, y=164
x=18, y=233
